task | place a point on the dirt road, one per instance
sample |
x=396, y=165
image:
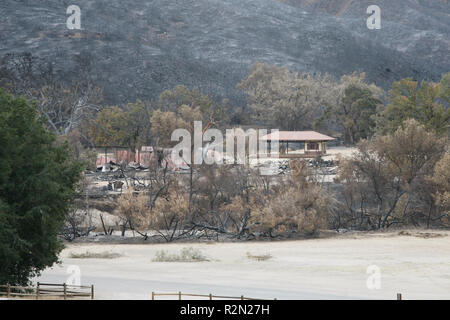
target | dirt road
x=417, y=265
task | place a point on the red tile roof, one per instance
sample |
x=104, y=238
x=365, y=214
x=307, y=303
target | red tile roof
x=298, y=136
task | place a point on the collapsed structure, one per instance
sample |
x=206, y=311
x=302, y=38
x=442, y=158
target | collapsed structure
x=139, y=158
x=292, y=144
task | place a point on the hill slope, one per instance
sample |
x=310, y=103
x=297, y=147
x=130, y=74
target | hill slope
x=138, y=48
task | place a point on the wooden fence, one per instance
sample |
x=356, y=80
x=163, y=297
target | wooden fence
x=47, y=291
x=65, y=291
x=209, y=296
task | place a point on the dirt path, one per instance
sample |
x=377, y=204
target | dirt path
x=415, y=264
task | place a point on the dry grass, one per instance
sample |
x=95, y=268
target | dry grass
x=187, y=254
x=95, y=255
x=262, y=257
x=425, y=235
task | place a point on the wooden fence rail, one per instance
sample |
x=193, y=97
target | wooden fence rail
x=65, y=291
x=47, y=290
x=210, y=296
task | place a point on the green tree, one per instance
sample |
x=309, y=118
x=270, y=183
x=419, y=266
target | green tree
x=128, y=126
x=426, y=102
x=172, y=100
x=359, y=108
x=37, y=180
x=353, y=112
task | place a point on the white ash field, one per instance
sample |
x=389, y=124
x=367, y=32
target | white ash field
x=415, y=263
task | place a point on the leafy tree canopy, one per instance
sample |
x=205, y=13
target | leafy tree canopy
x=172, y=100
x=37, y=180
x=127, y=126
x=426, y=102
x=354, y=110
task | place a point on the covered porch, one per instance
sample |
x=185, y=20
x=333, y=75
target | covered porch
x=310, y=144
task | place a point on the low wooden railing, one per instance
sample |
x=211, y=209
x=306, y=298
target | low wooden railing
x=209, y=296
x=47, y=291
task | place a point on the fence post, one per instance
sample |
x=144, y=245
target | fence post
x=65, y=290
x=92, y=292
x=399, y=296
x=153, y=295
x=210, y=296
x=9, y=291
x=179, y=295
x=37, y=291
